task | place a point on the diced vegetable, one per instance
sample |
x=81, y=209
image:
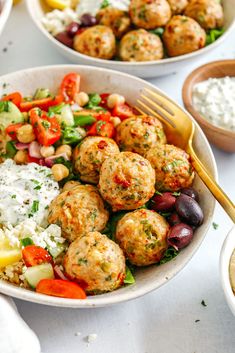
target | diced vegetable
x=35, y=255
x=59, y=273
x=9, y=114
x=11, y=130
x=46, y=129
x=83, y=120
x=10, y=149
x=43, y=104
x=42, y=93
x=71, y=136
x=60, y=288
x=66, y=116
x=26, y=241
x=123, y=111
x=69, y=87
x=35, y=274
x=102, y=128
x=94, y=100
x=15, y=98
x=57, y=250
x=129, y=278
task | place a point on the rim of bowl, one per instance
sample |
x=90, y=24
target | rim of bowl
x=187, y=91
x=126, y=63
x=27, y=295
x=5, y=12
x=225, y=256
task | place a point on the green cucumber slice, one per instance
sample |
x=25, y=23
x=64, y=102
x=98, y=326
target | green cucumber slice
x=10, y=114
x=34, y=274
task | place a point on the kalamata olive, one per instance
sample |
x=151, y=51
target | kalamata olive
x=72, y=29
x=191, y=192
x=189, y=210
x=65, y=39
x=174, y=219
x=180, y=235
x=88, y=20
x=163, y=202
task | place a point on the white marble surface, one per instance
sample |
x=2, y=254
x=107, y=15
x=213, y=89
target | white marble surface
x=163, y=321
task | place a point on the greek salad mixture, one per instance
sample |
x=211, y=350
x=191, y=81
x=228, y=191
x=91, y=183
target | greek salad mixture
x=136, y=30
x=89, y=191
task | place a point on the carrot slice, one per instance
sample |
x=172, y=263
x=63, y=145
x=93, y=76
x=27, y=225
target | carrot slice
x=60, y=288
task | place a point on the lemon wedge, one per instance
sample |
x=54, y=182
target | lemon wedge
x=8, y=254
x=232, y=271
x=59, y=4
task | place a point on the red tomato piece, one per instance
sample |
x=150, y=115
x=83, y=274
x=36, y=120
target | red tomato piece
x=35, y=255
x=70, y=86
x=104, y=98
x=123, y=111
x=43, y=104
x=14, y=97
x=46, y=129
x=102, y=128
x=60, y=288
x=102, y=115
x=11, y=130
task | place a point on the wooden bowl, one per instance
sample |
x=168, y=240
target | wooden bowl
x=220, y=137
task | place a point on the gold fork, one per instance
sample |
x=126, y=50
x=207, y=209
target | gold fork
x=180, y=132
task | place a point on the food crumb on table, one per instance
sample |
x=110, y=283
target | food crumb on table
x=91, y=337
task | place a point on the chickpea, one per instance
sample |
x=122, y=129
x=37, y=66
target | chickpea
x=59, y=172
x=115, y=120
x=81, y=98
x=64, y=149
x=25, y=134
x=70, y=185
x=21, y=157
x=115, y=99
x=47, y=151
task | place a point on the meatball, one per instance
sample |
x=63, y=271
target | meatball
x=140, y=45
x=209, y=13
x=70, y=185
x=172, y=167
x=178, y=6
x=142, y=236
x=90, y=155
x=116, y=19
x=139, y=134
x=96, y=262
x=126, y=181
x=97, y=41
x=78, y=211
x=183, y=35
x=150, y=14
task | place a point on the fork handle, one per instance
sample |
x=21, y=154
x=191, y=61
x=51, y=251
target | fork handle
x=214, y=188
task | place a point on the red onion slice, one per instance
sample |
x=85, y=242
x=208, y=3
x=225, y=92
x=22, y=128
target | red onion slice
x=59, y=273
x=21, y=146
x=34, y=150
x=49, y=161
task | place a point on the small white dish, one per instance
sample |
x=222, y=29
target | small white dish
x=5, y=9
x=37, y=10
x=99, y=80
x=225, y=256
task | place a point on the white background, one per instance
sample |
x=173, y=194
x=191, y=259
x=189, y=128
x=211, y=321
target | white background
x=163, y=321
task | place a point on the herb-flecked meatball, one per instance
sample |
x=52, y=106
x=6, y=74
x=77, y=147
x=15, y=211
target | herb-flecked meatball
x=70, y=185
x=97, y=41
x=96, y=262
x=90, y=154
x=78, y=211
x=178, y=6
x=126, y=181
x=183, y=35
x=139, y=134
x=142, y=236
x=209, y=13
x=150, y=14
x=172, y=167
x=116, y=19
x=140, y=45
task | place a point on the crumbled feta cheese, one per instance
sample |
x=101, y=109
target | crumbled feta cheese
x=56, y=21
x=93, y=6
x=214, y=99
x=91, y=337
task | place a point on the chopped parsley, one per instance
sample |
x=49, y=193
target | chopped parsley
x=104, y=4
x=197, y=320
x=203, y=303
x=35, y=206
x=215, y=225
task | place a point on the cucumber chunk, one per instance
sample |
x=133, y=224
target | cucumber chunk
x=9, y=114
x=34, y=274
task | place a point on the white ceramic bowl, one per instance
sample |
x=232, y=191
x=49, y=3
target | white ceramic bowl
x=225, y=256
x=5, y=9
x=37, y=10
x=102, y=80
